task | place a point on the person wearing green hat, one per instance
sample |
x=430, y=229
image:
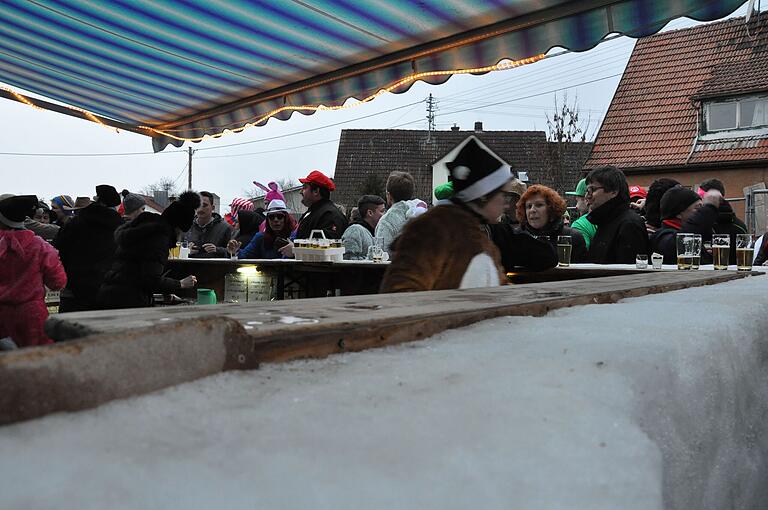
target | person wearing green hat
x=582, y=224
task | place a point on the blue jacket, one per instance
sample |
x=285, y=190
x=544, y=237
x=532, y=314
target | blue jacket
x=256, y=249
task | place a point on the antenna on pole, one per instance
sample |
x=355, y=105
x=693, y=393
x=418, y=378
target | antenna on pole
x=189, y=168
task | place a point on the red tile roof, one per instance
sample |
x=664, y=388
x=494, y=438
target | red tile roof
x=652, y=120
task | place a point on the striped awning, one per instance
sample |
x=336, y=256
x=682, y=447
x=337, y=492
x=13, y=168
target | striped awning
x=180, y=70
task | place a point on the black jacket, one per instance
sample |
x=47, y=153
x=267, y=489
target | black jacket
x=86, y=247
x=553, y=230
x=140, y=259
x=325, y=216
x=664, y=240
x=620, y=236
x=519, y=250
x=217, y=232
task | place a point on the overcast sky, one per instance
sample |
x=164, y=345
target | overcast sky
x=288, y=149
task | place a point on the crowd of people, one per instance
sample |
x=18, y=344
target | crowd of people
x=110, y=253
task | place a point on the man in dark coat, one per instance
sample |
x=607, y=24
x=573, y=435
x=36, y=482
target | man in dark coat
x=727, y=222
x=86, y=247
x=142, y=253
x=621, y=233
x=682, y=211
x=322, y=213
x=209, y=233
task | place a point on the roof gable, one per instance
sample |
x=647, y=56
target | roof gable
x=653, y=118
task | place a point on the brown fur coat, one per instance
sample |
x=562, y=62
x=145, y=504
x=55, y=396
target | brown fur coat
x=434, y=250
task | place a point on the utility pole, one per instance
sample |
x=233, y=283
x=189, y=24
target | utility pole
x=189, y=168
x=431, y=109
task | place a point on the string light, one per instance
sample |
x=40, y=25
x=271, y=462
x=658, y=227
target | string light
x=88, y=115
x=503, y=66
x=510, y=64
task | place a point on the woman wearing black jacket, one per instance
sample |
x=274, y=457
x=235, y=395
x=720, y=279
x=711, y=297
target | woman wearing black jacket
x=540, y=211
x=142, y=253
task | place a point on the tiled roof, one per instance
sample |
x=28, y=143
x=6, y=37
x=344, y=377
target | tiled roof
x=371, y=154
x=652, y=120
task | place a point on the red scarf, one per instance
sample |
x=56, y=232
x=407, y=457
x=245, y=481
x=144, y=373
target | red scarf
x=673, y=223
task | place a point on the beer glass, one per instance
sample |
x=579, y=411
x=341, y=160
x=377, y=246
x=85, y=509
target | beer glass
x=721, y=250
x=563, y=251
x=641, y=261
x=685, y=251
x=697, y=245
x=745, y=251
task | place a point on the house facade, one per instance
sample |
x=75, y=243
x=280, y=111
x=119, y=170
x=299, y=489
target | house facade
x=367, y=156
x=693, y=105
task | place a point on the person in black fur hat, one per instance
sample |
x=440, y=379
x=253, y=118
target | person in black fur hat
x=142, y=254
x=86, y=247
x=682, y=211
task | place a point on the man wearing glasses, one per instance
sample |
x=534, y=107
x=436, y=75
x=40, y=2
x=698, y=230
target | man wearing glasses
x=621, y=233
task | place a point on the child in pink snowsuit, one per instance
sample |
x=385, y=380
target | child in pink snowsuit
x=26, y=263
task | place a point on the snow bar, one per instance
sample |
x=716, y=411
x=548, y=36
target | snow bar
x=117, y=354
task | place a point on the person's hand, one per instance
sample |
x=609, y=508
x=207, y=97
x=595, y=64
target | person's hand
x=712, y=197
x=233, y=246
x=188, y=282
x=638, y=204
x=209, y=248
x=193, y=248
x=287, y=250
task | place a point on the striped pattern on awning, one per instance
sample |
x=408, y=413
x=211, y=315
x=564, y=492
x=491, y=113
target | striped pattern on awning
x=189, y=68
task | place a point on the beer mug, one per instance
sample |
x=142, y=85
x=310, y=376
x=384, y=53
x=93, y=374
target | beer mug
x=697, y=245
x=563, y=251
x=745, y=251
x=721, y=251
x=685, y=251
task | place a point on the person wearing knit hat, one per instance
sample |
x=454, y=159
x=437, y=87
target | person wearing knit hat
x=86, y=247
x=133, y=205
x=63, y=207
x=682, y=211
x=27, y=263
x=446, y=247
x=138, y=270
x=238, y=204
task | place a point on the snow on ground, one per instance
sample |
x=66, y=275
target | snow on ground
x=655, y=402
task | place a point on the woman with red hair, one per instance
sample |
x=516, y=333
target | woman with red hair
x=540, y=211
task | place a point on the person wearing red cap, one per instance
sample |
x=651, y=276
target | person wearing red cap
x=322, y=214
x=637, y=195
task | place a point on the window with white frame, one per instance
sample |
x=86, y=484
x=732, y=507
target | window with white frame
x=743, y=113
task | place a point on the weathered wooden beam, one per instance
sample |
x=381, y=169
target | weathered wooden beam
x=129, y=352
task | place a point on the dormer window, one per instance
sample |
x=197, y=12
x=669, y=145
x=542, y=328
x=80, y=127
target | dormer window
x=736, y=114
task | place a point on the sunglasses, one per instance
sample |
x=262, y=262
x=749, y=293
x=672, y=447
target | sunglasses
x=275, y=216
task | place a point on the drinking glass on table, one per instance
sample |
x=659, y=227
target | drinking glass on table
x=721, y=250
x=697, y=245
x=745, y=251
x=641, y=261
x=685, y=251
x=563, y=251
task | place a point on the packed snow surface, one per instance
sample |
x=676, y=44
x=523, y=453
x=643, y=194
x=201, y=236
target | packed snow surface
x=654, y=402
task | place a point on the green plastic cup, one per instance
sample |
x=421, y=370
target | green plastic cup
x=206, y=297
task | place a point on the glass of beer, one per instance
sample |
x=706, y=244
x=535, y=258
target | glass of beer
x=685, y=251
x=745, y=251
x=721, y=250
x=563, y=251
x=697, y=244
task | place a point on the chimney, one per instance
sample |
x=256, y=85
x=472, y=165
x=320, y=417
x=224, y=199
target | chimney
x=160, y=197
x=478, y=127
x=455, y=127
